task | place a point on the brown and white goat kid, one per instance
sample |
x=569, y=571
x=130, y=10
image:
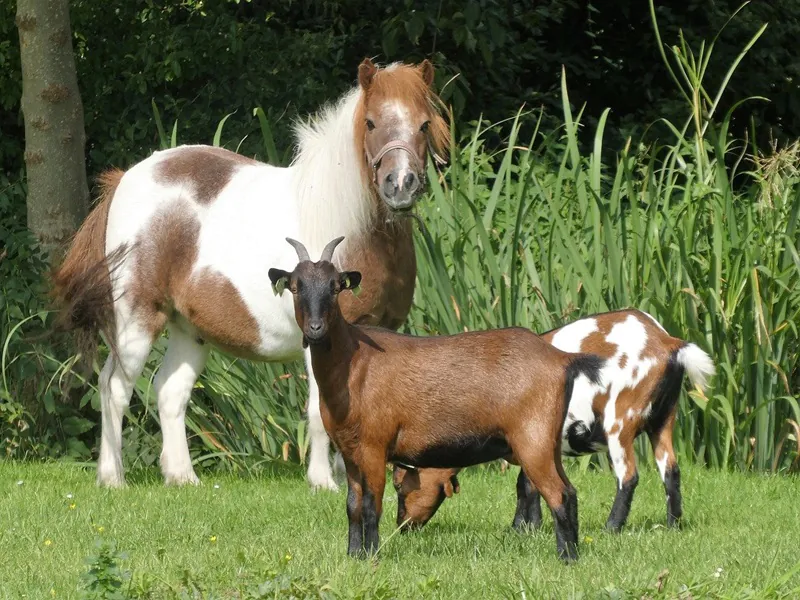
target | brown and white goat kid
x=641, y=383
x=448, y=401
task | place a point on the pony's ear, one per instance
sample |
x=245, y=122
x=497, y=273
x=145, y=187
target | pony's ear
x=366, y=73
x=427, y=70
x=279, y=279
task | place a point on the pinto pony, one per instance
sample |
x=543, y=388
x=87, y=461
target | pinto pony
x=184, y=239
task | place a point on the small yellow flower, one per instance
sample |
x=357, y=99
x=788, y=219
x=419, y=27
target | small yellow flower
x=213, y=539
x=287, y=558
x=48, y=543
x=52, y=592
x=72, y=506
x=588, y=540
x=101, y=529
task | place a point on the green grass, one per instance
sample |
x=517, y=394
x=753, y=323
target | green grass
x=746, y=525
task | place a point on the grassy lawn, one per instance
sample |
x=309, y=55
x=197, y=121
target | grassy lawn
x=741, y=538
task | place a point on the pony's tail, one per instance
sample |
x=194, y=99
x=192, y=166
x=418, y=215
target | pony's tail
x=82, y=287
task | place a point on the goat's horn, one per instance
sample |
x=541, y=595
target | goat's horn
x=327, y=254
x=302, y=253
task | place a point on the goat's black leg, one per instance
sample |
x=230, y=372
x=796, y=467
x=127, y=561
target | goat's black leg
x=623, y=460
x=374, y=482
x=547, y=475
x=672, y=487
x=529, y=508
x=664, y=453
x=622, y=504
x=355, y=510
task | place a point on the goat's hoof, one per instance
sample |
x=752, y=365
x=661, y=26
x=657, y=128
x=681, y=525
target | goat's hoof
x=613, y=528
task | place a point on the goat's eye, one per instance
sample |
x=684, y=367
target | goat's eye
x=425, y=126
x=370, y=125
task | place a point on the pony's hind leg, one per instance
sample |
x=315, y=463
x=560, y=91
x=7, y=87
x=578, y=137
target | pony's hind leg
x=183, y=362
x=319, y=474
x=133, y=342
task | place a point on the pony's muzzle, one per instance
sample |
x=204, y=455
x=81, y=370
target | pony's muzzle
x=400, y=188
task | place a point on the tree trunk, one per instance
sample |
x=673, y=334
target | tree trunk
x=58, y=196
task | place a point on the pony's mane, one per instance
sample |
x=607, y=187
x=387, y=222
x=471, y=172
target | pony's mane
x=334, y=190
x=333, y=197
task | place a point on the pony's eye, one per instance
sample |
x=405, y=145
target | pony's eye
x=425, y=126
x=370, y=125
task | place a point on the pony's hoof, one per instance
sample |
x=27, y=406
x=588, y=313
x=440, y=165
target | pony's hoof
x=321, y=480
x=110, y=478
x=179, y=479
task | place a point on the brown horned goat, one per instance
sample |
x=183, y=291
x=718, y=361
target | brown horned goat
x=641, y=382
x=448, y=401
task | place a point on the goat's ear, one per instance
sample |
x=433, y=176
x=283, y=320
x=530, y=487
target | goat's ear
x=351, y=280
x=279, y=279
x=366, y=73
x=455, y=484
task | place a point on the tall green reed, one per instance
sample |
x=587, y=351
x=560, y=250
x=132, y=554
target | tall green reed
x=542, y=233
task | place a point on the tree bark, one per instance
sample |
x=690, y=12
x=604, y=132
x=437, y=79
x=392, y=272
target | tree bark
x=58, y=196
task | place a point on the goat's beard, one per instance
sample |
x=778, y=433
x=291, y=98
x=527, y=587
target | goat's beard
x=324, y=343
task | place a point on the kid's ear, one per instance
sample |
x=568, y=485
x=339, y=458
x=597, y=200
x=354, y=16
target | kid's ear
x=454, y=483
x=279, y=279
x=350, y=280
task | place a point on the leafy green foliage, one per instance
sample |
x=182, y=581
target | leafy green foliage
x=105, y=579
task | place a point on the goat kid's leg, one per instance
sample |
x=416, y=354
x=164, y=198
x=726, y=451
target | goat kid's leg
x=529, y=509
x=183, y=362
x=669, y=470
x=116, y=386
x=620, y=447
x=544, y=471
x=319, y=473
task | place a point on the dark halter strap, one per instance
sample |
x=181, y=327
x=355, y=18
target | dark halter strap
x=375, y=161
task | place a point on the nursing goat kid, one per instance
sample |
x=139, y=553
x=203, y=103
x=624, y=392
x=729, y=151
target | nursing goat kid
x=448, y=401
x=641, y=383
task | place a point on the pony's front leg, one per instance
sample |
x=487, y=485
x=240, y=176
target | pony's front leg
x=319, y=474
x=183, y=362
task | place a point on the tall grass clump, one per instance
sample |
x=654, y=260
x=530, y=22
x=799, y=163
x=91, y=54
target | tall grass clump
x=700, y=230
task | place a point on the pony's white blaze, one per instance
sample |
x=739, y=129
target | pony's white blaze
x=398, y=114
